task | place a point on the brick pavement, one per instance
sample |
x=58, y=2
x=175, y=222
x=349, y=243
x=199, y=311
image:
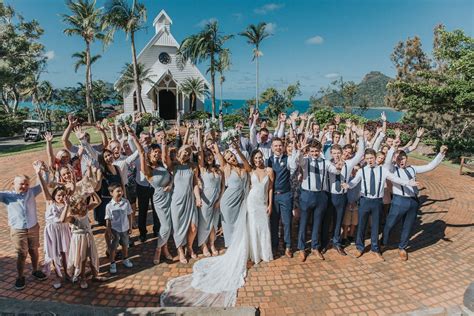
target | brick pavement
x=436, y=274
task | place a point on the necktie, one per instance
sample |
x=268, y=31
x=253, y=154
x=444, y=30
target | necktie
x=372, y=181
x=318, y=178
x=277, y=161
x=415, y=189
x=338, y=182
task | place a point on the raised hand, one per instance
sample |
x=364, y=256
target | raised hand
x=129, y=130
x=396, y=142
x=337, y=119
x=80, y=134
x=48, y=137
x=137, y=117
x=359, y=131
x=398, y=132
x=294, y=116
x=38, y=166
x=420, y=132
x=443, y=149
x=99, y=127
x=73, y=121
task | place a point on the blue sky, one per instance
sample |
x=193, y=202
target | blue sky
x=313, y=41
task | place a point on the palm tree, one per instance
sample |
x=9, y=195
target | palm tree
x=255, y=34
x=130, y=19
x=223, y=64
x=41, y=93
x=127, y=80
x=195, y=88
x=82, y=60
x=205, y=45
x=86, y=21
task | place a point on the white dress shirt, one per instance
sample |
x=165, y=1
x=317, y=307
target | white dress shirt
x=309, y=174
x=381, y=175
x=117, y=213
x=398, y=189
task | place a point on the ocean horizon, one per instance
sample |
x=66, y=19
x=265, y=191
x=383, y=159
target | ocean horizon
x=301, y=106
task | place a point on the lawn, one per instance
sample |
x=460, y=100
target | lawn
x=29, y=146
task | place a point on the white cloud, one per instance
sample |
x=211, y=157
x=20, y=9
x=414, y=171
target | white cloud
x=203, y=22
x=49, y=54
x=332, y=75
x=315, y=40
x=271, y=27
x=268, y=8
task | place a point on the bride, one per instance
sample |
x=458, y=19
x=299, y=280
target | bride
x=215, y=280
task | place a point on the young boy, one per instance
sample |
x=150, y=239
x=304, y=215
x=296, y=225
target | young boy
x=24, y=228
x=118, y=216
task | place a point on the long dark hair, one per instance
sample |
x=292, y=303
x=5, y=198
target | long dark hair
x=102, y=163
x=209, y=166
x=252, y=156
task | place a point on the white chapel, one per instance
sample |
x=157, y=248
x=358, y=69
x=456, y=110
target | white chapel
x=163, y=97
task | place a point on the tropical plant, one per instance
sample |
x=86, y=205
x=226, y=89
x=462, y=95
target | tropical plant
x=255, y=34
x=86, y=21
x=81, y=60
x=279, y=101
x=41, y=93
x=223, y=64
x=130, y=19
x=206, y=45
x=21, y=57
x=128, y=80
x=195, y=88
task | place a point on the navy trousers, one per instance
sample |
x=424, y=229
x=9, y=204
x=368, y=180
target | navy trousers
x=339, y=202
x=314, y=203
x=403, y=208
x=282, y=209
x=369, y=207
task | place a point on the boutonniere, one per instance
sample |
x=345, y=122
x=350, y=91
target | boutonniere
x=282, y=163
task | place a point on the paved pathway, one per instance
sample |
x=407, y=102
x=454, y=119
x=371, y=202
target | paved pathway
x=436, y=274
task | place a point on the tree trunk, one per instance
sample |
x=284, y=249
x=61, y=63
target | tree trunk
x=91, y=90
x=193, y=102
x=220, y=105
x=256, y=82
x=213, y=82
x=88, y=86
x=138, y=86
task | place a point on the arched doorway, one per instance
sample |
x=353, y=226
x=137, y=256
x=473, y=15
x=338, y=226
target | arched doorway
x=167, y=104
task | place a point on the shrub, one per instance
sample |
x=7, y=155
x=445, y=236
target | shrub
x=196, y=115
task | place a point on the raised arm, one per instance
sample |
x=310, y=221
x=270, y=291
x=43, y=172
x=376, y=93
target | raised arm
x=253, y=131
x=103, y=134
x=38, y=166
x=200, y=147
x=165, y=155
x=220, y=158
x=72, y=122
x=48, y=137
x=144, y=168
x=412, y=147
x=434, y=163
x=247, y=167
x=186, y=134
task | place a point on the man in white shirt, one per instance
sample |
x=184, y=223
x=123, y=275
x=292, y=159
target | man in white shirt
x=373, y=179
x=313, y=197
x=405, y=202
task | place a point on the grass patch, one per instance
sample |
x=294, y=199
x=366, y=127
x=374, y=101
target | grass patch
x=41, y=145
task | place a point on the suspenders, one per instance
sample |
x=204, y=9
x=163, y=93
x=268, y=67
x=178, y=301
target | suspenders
x=398, y=174
x=365, y=182
x=318, y=175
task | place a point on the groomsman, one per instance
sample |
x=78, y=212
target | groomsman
x=373, y=179
x=282, y=209
x=313, y=197
x=405, y=201
x=337, y=194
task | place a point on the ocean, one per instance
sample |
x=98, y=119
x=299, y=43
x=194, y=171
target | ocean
x=303, y=105
x=300, y=105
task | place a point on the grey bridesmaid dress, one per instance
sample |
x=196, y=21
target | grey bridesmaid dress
x=183, y=207
x=231, y=201
x=162, y=202
x=208, y=213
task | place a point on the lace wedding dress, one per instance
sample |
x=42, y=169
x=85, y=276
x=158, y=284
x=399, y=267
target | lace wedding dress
x=215, y=280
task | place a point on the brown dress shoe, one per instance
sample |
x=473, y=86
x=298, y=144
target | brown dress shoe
x=403, y=255
x=288, y=253
x=358, y=253
x=341, y=251
x=318, y=254
x=302, y=256
x=378, y=255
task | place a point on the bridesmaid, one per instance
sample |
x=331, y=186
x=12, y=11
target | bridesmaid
x=236, y=182
x=159, y=177
x=211, y=189
x=183, y=204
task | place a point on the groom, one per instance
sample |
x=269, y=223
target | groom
x=283, y=166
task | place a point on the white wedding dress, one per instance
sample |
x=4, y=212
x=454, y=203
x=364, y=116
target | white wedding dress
x=215, y=280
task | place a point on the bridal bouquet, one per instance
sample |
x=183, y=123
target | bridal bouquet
x=229, y=136
x=211, y=124
x=160, y=124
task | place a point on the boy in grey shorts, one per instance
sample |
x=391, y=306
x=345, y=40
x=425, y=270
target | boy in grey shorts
x=118, y=216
